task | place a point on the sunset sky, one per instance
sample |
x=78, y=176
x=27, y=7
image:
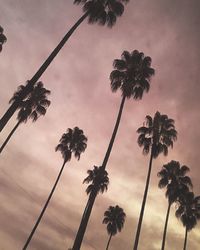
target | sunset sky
x=165, y=30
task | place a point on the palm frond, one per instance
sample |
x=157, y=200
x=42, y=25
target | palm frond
x=99, y=180
x=135, y=74
x=73, y=141
x=114, y=217
x=175, y=180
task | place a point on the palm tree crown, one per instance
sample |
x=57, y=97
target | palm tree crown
x=35, y=103
x=73, y=141
x=189, y=210
x=132, y=74
x=173, y=176
x=103, y=12
x=158, y=134
x=3, y=38
x=98, y=178
x=114, y=217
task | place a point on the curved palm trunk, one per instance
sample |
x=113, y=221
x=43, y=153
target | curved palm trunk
x=11, y=110
x=9, y=136
x=143, y=204
x=43, y=210
x=108, y=242
x=165, y=228
x=185, y=242
x=86, y=215
x=114, y=133
x=84, y=221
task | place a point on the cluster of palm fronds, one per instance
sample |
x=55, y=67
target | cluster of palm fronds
x=178, y=190
x=3, y=38
x=131, y=75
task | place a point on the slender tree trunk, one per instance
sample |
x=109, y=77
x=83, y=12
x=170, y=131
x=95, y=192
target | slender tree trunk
x=84, y=221
x=108, y=242
x=8, y=138
x=165, y=228
x=143, y=203
x=11, y=110
x=114, y=133
x=44, y=208
x=185, y=242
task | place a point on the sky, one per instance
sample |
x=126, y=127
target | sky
x=168, y=32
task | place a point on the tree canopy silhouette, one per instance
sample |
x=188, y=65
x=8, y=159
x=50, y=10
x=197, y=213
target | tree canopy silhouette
x=155, y=136
x=158, y=135
x=173, y=177
x=132, y=74
x=3, y=38
x=103, y=12
x=34, y=106
x=98, y=179
x=114, y=217
x=189, y=212
x=72, y=142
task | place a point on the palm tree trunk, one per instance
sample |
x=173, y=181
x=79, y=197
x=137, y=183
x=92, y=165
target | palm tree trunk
x=87, y=212
x=114, y=133
x=165, y=228
x=8, y=138
x=44, y=208
x=143, y=203
x=11, y=110
x=185, y=242
x=84, y=221
x=108, y=242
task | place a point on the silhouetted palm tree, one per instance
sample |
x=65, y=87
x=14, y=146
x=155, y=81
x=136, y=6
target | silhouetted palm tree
x=189, y=212
x=158, y=134
x=32, y=107
x=3, y=38
x=114, y=217
x=173, y=177
x=72, y=142
x=132, y=75
x=103, y=12
x=99, y=180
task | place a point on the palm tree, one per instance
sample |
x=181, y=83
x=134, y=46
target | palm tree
x=173, y=177
x=99, y=180
x=71, y=142
x=3, y=38
x=158, y=134
x=114, y=217
x=189, y=212
x=132, y=76
x=103, y=12
x=32, y=107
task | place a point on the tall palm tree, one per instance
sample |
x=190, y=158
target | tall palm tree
x=99, y=180
x=173, y=177
x=3, y=38
x=72, y=142
x=35, y=105
x=189, y=212
x=158, y=134
x=103, y=12
x=114, y=217
x=132, y=76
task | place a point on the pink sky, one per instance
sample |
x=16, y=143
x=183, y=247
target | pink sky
x=168, y=31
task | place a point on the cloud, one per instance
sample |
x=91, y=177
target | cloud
x=168, y=31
